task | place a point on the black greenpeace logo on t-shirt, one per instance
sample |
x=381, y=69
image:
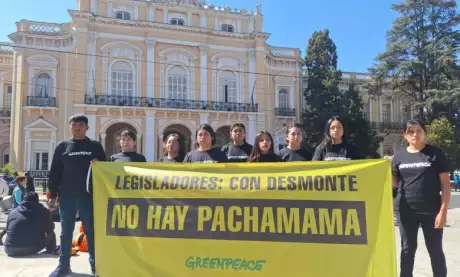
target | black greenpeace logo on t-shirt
x=81, y=153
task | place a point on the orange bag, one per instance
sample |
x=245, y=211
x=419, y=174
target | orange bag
x=80, y=241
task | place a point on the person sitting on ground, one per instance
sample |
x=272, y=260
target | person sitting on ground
x=29, y=229
x=19, y=191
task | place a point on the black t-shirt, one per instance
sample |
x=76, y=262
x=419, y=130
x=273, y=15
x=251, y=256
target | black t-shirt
x=166, y=159
x=418, y=174
x=337, y=152
x=265, y=158
x=213, y=155
x=237, y=153
x=288, y=155
x=128, y=157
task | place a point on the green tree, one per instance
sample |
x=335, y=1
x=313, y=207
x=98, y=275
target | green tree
x=322, y=94
x=359, y=130
x=422, y=48
x=7, y=169
x=442, y=133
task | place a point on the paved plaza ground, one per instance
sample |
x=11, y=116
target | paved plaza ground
x=41, y=265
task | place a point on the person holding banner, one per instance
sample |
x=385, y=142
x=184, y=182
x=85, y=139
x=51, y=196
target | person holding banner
x=206, y=152
x=263, y=150
x=68, y=179
x=335, y=146
x=421, y=173
x=294, y=152
x=172, y=148
x=128, y=152
x=238, y=150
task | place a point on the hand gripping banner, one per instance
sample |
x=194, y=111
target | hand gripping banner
x=319, y=219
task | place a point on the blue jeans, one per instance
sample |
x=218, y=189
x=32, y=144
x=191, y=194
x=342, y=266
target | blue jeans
x=68, y=207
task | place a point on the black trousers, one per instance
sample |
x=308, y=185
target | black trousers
x=409, y=223
x=49, y=244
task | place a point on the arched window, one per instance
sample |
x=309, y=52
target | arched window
x=177, y=21
x=122, y=79
x=177, y=83
x=227, y=28
x=283, y=99
x=227, y=87
x=123, y=15
x=42, y=85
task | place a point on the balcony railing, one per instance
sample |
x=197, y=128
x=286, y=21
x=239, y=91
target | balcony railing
x=5, y=112
x=391, y=126
x=284, y=112
x=39, y=173
x=35, y=101
x=128, y=101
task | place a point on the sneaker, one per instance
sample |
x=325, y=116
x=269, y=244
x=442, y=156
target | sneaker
x=61, y=271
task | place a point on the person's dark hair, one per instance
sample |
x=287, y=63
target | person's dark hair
x=15, y=174
x=19, y=179
x=256, y=152
x=27, y=174
x=327, y=142
x=78, y=118
x=176, y=135
x=128, y=134
x=31, y=196
x=414, y=122
x=242, y=126
x=293, y=125
x=208, y=129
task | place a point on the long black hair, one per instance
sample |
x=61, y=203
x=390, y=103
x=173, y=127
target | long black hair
x=327, y=141
x=256, y=152
x=242, y=126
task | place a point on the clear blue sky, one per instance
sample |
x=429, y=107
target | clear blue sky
x=357, y=26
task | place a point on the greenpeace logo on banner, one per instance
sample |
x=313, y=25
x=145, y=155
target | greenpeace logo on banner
x=299, y=221
x=415, y=165
x=237, y=264
x=81, y=153
x=336, y=159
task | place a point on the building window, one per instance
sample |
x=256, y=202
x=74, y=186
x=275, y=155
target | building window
x=386, y=113
x=280, y=143
x=42, y=85
x=227, y=87
x=283, y=99
x=177, y=83
x=9, y=93
x=40, y=155
x=406, y=113
x=177, y=21
x=6, y=158
x=122, y=79
x=366, y=111
x=123, y=15
x=227, y=28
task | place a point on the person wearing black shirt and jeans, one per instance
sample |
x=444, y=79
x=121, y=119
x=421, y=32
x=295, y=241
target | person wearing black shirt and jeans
x=335, y=146
x=263, y=151
x=294, y=152
x=29, y=229
x=421, y=174
x=68, y=180
x=238, y=150
x=206, y=152
x=128, y=152
x=172, y=148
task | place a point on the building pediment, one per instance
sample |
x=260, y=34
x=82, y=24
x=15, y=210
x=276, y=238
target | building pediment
x=40, y=124
x=43, y=61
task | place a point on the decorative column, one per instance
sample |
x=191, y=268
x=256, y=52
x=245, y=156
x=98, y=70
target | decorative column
x=150, y=141
x=139, y=143
x=150, y=66
x=2, y=85
x=251, y=132
x=371, y=110
x=189, y=19
x=203, y=21
x=151, y=14
x=91, y=126
x=92, y=37
x=291, y=95
x=94, y=6
x=165, y=16
x=103, y=136
x=252, y=76
x=204, y=72
x=27, y=153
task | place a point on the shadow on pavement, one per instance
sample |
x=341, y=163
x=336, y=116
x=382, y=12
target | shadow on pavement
x=454, y=201
x=37, y=256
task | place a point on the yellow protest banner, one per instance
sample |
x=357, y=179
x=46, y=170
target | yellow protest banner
x=320, y=219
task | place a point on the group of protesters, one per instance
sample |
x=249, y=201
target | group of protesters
x=420, y=178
